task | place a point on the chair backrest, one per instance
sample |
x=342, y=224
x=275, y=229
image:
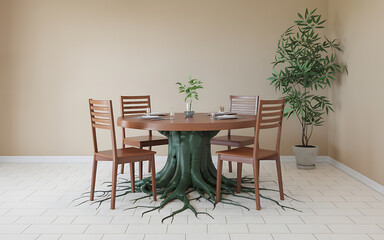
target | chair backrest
x=102, y=118
x=246, y=105
x=133, y=105
x=269, y=115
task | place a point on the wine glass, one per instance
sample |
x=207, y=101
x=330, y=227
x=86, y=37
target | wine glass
x=172, y=114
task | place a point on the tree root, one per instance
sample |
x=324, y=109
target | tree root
x=189, y=168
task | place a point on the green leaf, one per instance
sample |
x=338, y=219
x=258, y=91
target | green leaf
x=300, y=16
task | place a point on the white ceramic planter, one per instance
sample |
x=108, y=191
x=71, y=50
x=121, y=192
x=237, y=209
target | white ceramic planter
x=305, y=156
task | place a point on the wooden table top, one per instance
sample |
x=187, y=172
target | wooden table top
x=199, y=122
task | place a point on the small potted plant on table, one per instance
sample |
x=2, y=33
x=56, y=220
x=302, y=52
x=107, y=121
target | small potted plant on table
x=306, y=62
x=191, y=91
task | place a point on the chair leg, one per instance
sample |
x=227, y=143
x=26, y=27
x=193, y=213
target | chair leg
x=141, y=168
x=258, y=169
x=153, y=178
x=218, y=177
x=229, y=162
x=149, y=164
x=238, y=184
x=132, y=168
x=256, y=178
x=114, y=183
x=279, y=177
x=122, y=168
x=93, y=178
x=122, y=165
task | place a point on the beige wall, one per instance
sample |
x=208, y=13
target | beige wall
x=5, y=78
x=356, y=132
x=63, y=52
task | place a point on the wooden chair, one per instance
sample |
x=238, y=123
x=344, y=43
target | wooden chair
x=269, y=115
x=246, y=105
x=133, y=105
x=102, y=118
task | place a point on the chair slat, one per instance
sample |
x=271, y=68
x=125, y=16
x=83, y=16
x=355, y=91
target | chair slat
x=133, y=112
x=243, y=97
x=272, y=102
x=243, y=102
x=270, y=125
x=271, y=120
x=250, y=107
x=100, y=114
x=271, y=114
x=241, y=110
x=101, y=126
x=135, y=97
x=99, y=102
x=100, y=108
x=135, y=102
x=135, y=107
x=101, y=120
x=272, y=108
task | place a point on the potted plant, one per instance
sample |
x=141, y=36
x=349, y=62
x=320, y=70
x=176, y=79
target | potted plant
x=191, y=93
x=305, y=62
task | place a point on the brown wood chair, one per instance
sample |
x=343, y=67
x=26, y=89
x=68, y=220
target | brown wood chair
x=269, y=115
x=133, y=105
x=102, y=118
x=246, y=105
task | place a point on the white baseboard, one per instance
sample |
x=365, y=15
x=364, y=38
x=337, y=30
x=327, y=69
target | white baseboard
x=74, y=159
x=45, y=159
x=356, y=175
x=289, y=159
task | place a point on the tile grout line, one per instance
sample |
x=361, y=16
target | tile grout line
x=26, y=228
x=329, y=228
x=273, y=237
x=380, y=226
x=17, y=219
x=86, y=228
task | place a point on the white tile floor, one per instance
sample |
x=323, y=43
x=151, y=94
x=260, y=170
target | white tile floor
x=36, y=203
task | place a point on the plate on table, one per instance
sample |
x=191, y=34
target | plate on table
x=225, y=113
x=150, y=117
x=226, y=116
x=156, y=114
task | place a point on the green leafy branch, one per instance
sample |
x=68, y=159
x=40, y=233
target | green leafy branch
x=191, y=89
x=306, y=62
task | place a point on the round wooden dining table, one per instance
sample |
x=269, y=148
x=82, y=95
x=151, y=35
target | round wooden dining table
x=200, y=122
x=189, y=163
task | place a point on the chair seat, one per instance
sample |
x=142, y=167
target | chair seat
x=233, y=140
x=126, y=153
x=247, y=153
x=145, y=141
